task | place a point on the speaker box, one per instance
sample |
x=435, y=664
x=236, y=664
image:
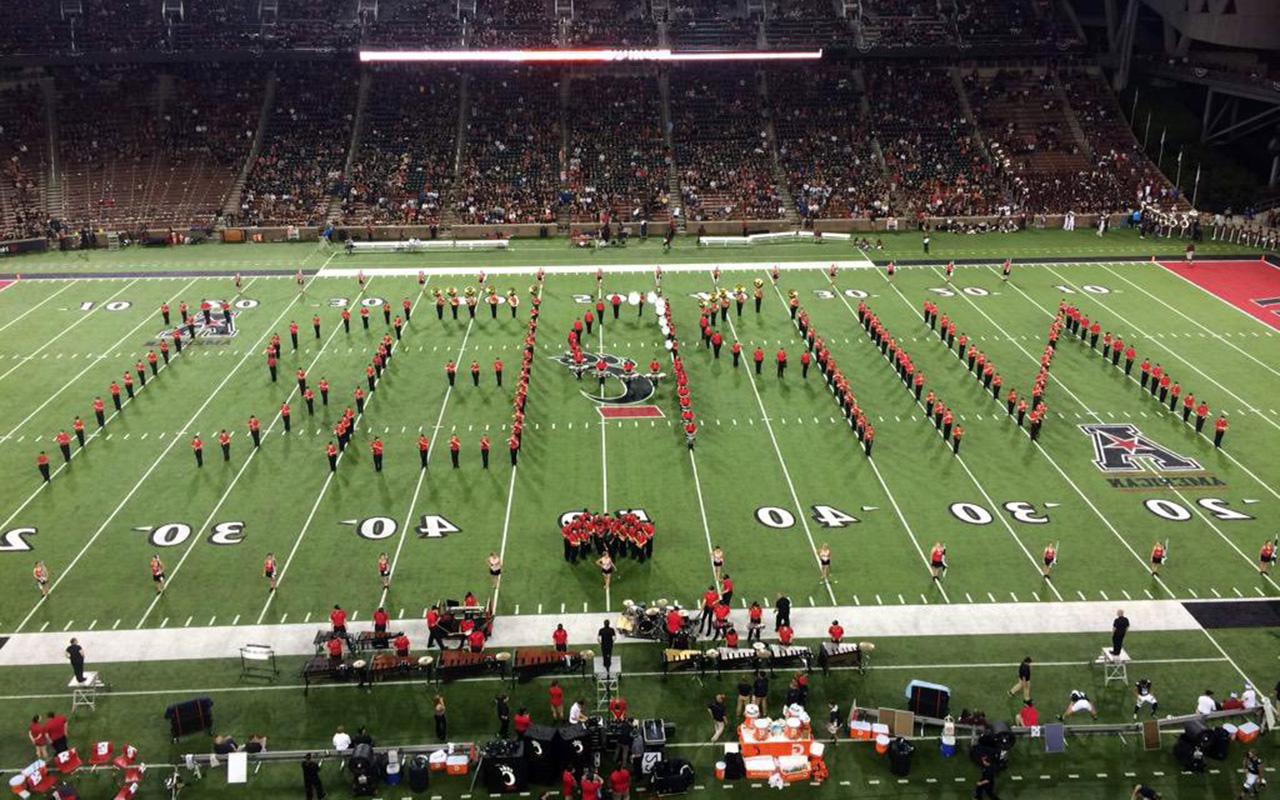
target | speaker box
x=541, y=757
x=926, y=702
x=507, y=773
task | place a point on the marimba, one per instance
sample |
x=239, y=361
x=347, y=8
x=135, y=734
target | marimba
x=387, y=666
x=780, y=655
x=733, y=658
x=455, y=664
x=533, y=661
x=337, y=670
x=845, y=654
x=681, y=659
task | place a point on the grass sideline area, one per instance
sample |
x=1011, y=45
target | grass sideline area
x=978, y=669
x=778, y=474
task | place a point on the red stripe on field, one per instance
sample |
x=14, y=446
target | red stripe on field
x=1240, y=283
x=6, y=284
x=629, y=412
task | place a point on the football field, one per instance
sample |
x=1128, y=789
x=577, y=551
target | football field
x=776, y=474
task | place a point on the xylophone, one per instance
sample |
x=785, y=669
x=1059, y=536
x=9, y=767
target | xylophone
x=324, y=668
x=461, y=663
x=368, y=640
x=733, y=658
x=780, y=655
x=532, y=661
x=681, y=659
x=846, y=654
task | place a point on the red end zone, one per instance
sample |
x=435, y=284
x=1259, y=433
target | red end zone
x=5, y=285
x=629, y=412
x=1251, y=286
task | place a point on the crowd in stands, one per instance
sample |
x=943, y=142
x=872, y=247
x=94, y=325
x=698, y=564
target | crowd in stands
x=799, y=24
x=611, y=24
x=1121, y=173
x=824, y=144
x=617, y=158
x=722, y=151
x=404, y=170
x=511, y=169
x=935, y=163
x=299, y=168
x=514, y=24
x=22, y=148
x=710, y=25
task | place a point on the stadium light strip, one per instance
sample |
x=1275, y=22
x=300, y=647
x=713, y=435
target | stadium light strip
x=549, y=56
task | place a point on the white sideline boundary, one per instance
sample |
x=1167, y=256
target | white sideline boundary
x=534, y=630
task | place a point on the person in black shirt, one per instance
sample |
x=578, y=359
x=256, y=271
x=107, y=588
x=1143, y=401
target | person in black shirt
x=744, y=695
x=1118, y=629
x=760, y=692
x=1024, y=680
x=1144, y=792
x=782, y=611
x=986, y=786
x=717, y=711
x=311, y=779
x=503, y=708
x=362, y=737
x=75, y=654
x=606, y=635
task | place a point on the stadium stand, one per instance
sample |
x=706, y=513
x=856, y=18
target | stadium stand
x=824, y=143
x=710, y=25
x=404, y=170
x=511, y=167
x=305, y=146
x=935, y=163
x=23, y=139
x=722, y=150
x=617, y=157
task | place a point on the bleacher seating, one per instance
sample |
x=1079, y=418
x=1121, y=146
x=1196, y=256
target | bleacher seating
x=304, y=149
x=404, y=170
x=722, y=151
x=617, y=157
x=824, y=143
x=934, y=162
x=511, y=169
x=23, y=140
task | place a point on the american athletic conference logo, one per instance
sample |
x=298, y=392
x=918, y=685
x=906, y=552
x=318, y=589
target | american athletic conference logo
x=1124, y=448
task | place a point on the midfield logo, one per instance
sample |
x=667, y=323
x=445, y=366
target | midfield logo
x=638, y=389
x=1124, y=448
x=221, y=326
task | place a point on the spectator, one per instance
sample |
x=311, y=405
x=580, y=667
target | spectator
x=39, y=738
x=55, y=730
x=341, y=739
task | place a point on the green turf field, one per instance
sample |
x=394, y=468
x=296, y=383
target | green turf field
x=778, y=471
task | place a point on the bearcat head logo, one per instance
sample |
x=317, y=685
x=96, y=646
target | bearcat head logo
x=635, y=390
x=1124, y=448
x=221, y=325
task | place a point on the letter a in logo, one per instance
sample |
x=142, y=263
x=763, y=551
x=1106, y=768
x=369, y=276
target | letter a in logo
x=1124, y=448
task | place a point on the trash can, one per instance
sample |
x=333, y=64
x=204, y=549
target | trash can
x=900, y=751
x=419, y=773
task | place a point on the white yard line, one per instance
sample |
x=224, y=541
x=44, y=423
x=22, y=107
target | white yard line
x=604, y=423
x=422, y=471
x=92, y=363
x=88, y=440
x=1197, y=322
x=1159, y=342
x=172, y=573
x=324, y=488
x=991, y=503
x=35, y=307
x=1222, y=300
x=1267, y=486
x=65, y=330
x=1181, y=496
x=506, y=527
x=801, y=512
x=248, y=353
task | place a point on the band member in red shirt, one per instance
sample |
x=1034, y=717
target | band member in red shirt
x=475, y=641
x=560, y=638
x=269, y=571
x=197, y=448
x=455, y=447
x=338, y=619
x=1157, y=557
x=758, y=357
x=1219, y=430
x=224, y=441
x=42, y=464
x=835, y=631
x=424, y=450
x=782, y=363
x=384, y=571
x=375, y=447
x=331, y=452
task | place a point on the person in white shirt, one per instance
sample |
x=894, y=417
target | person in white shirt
x=341, y=739
x=1249, y=697
x=575, y=713
x=1205, y=704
